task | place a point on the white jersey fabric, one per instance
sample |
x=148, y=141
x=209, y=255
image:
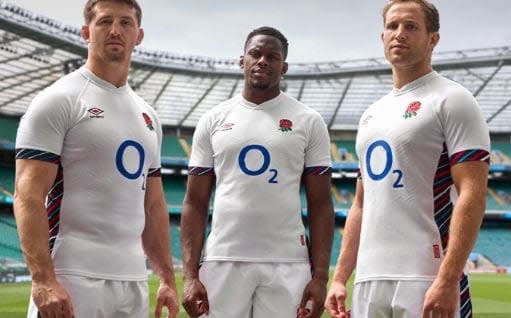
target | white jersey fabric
x=259, y=153
x=107, y=141
x=406, y=143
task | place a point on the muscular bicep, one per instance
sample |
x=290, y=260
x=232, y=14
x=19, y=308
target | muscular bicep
x=317, y=189
x=34, y=178
x=198, y=189
x=470, y=177
x=154, y=194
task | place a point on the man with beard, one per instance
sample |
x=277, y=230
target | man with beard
x=259, y=146
x=89, y=199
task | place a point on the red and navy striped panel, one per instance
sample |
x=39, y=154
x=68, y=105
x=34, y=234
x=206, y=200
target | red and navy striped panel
x=201, y=171
x=154, y=172
x=23, y=153
x=317, y=171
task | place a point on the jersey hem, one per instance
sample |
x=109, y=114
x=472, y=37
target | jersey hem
x=131, y=278
x=405, y=278
x=255, y=259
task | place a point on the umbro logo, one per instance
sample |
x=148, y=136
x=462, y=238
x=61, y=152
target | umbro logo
x=95, y=112
x=226, y=126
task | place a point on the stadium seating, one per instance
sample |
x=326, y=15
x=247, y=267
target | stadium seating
x=8, y=127
x=343, y=150
x=9, y=241
x=499, y=196
x=501, y=153
x=174, y=191
x=171, y=147
x=175, y=243
x=494, y=243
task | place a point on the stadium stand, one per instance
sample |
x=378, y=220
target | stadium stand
x=36, y=50
x=9, y=241
x=494, y=243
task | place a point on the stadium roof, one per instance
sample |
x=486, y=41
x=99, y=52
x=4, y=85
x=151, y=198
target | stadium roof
x=36, y=50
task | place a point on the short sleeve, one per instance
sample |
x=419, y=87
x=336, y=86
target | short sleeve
x=317, y=152
x=202, y=149
x=43, y=127
x=463, y=123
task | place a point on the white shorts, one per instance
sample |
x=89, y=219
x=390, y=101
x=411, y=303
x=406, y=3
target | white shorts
x=390, y=299
x=99, y=298
x=254, y=290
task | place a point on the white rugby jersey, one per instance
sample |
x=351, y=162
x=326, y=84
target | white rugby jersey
x=106, y=141
x=406, y=143
x=259, y=153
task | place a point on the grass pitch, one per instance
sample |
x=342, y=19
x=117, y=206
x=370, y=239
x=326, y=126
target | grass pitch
x=491, y=296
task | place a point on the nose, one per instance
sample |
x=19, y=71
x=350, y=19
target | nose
x=115, y=29
x=262, y=61
x=401, y=32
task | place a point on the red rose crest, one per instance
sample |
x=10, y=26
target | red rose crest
x=285, y=125
x=412, y=109
x=148, y=121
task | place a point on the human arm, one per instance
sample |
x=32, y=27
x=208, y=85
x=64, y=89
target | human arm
x=336, y=299
x=321, y=224
x=155, y=239
x=34, y=179
x=194, y=218
x=470, y=179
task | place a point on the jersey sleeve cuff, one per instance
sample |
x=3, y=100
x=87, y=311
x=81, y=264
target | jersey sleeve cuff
x=34, y=154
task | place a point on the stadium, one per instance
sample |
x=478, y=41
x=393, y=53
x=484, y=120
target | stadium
x=36, y=50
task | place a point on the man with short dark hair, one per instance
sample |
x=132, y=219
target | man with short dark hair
x=89, y=199
x=420, y=147
x=259, y=146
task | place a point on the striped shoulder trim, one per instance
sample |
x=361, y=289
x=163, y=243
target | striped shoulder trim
x=318, y=171
x=470, y=155
x=201, y=171
x=154, y=172
x=22, y=153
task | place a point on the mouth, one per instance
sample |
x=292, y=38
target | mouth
x=259, y=72
x=115, y=43
x=399, y=46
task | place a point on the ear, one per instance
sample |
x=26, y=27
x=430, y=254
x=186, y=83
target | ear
x=284, y=69
x=435, y=38
x=85, y=32
x=140, y=36
x=241, y=62
x=381, y=36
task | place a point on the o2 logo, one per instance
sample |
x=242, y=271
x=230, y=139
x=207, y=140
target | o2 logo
x=388, y=164
x=264, y=166
x=141, y=158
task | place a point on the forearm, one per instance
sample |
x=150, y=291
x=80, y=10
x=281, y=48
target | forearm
x=322, y=229
x=155, y=240
x=350, y=243
x=464, y=228
x=33, y=230
x=193, y=227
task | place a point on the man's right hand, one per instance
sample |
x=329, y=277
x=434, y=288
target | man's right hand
x=52, y=300
x=195, y=298
x=335, y=303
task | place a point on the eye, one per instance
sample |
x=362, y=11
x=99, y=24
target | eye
x=391, y=26
x=127, y=22
x=411, y=27
x=254, y=54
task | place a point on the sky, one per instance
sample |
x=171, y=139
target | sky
x=317, y=30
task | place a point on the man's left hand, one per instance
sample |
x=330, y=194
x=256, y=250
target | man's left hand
x=166, y=297
x=313, y=299
x=441, y=299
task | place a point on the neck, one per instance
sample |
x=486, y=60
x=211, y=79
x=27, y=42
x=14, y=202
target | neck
x=403, y=76
x=260, y=96
x=114, y=73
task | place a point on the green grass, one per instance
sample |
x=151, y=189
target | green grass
x=491, y=295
